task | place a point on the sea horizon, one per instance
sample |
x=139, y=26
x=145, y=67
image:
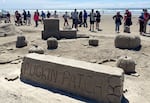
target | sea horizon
x=105, y=11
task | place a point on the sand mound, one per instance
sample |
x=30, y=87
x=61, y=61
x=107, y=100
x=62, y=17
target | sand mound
x=8, y=30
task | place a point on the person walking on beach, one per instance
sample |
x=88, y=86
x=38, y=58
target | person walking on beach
x=29, y=18
x=92, y=16
x=98, y=19
x=75, y=19
x=85, y=15
x=127, y=21
x=36, y=19
x=48, y=14
x=146, y=18
x=43, y=16
x=141, y=23
x=24, y=17
x=65, y=16
x=118, y=18
x=80, y=19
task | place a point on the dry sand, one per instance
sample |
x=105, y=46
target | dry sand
x=136, y=86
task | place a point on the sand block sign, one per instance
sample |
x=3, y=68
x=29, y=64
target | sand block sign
x=101, y=83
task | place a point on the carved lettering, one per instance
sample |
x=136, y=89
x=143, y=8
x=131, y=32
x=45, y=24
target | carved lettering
x=66, y=78
x=89, y=85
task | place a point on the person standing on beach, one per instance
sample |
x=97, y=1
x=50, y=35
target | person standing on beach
x=29, y=18
x=48, y=14
x=65, y=16
x=141, y=23
x=36, y=19
x=118, y=19
x=146, y=18
x=92, y=16
x=85, y=15
x=18, y=18
x=8, y=18
x=80, y=19
x=55, y=14
x=98, y=19
x=75, y=19
x=127, y=21
x=24, y=17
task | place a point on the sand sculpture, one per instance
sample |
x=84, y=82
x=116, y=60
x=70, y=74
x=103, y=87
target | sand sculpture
x=51, y=29
x=52, y=43
x=127, y=64
x=93, y=42
x=101, y=83
x=21, y=41
x=36, y=49
x=127, y=41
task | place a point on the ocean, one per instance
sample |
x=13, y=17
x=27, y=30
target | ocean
x=103, y=11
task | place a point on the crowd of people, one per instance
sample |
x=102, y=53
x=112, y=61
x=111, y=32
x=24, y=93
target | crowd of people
x=79, y=19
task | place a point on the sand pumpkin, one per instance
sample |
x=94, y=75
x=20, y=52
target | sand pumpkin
x=127, y=64
x=127, y=41
x=52, y=43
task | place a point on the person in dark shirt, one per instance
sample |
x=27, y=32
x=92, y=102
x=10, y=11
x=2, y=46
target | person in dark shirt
x=48, y=14
x=127, y=20
x=146, y=16
x=24, y=17
x=141, y=23
x=98, y=19
x=80, y=19
x=118, y=18
x=8, y=18
x=85, y=15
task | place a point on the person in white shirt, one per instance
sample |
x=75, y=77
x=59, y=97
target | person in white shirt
x=92, y=20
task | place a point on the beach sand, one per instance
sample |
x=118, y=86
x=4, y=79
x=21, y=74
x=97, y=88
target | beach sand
x=136, y=87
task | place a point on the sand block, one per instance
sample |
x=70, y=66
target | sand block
x=21, y=41
x=68, y=34
x=51, y=25
x=48, y=34
x=99, y=82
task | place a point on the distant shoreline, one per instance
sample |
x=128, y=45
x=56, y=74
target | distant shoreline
x=103, y=11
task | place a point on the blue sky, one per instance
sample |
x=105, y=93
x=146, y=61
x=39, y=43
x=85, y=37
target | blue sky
x=41, y=4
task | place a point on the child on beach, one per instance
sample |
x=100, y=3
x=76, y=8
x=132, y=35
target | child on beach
x=92, y=20
x=118, y=19
x=65, y=16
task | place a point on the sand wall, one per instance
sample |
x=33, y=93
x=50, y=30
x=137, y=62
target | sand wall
x=99, y=82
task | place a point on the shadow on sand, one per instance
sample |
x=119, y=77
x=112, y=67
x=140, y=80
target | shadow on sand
x=55, y=90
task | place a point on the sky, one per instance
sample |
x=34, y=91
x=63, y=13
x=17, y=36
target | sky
x=71, y=4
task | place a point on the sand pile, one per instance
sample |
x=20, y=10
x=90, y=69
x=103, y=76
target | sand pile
x=8, y=30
